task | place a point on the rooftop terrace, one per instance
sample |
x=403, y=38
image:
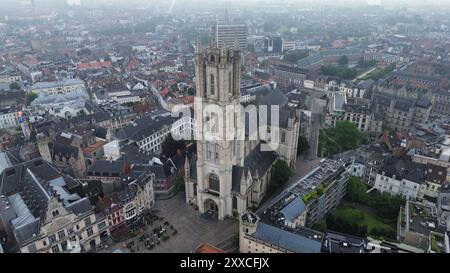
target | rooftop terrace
x=307, y=188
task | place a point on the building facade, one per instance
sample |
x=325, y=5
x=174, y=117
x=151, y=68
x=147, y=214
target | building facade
x=58, y=87
x=401, y=177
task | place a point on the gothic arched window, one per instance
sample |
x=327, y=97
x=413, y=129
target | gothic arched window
x=211, y=84
x=216, y=150
x=214, y=183
x=229, y=84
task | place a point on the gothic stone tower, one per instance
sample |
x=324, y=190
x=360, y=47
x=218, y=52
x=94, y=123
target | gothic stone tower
x=217, y=83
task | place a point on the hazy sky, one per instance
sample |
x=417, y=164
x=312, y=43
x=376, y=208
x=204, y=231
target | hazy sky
x=401, y=3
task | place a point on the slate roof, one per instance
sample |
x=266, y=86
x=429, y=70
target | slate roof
x=237, y=172
x=62, y=152
x=5, y=162
x=65, y=82
x=366, y=84
x=404, y=169
x=81, y=206
x=144, y=127
x=29, y=186
x=351, y=155
x=271, y=96
x=258, y=161
x=133, y=155
x=289, y=240
x=335, y=242
x=294, y=209
x=109, y=168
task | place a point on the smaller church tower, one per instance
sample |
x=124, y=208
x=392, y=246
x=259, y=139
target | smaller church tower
x=44, y=150
x=248, y=223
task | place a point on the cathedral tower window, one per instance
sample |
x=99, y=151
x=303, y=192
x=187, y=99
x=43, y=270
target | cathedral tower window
x=217, y=149
x=214, y=183
x=211, y=85
x=229, y=84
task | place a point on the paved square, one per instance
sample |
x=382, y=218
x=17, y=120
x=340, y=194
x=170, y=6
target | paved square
x=193, y=229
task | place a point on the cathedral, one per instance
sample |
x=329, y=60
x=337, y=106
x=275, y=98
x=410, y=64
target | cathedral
x=227, y=176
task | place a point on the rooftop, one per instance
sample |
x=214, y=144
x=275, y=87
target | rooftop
x=335, y=242
x=290, y=203
x=300, y=240
x=404, y=169
x=65, y=82
x=207, y=248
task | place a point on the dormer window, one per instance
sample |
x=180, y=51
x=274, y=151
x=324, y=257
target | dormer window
x=55, y=213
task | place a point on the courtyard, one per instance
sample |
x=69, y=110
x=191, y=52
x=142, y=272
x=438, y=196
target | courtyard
x=192, y=230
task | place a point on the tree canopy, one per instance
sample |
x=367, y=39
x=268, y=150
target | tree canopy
x=343, y=60
x=345, y=136
x=31, y=96
x=295, y=56
x=303, y=145
x=385, y=205
x=281, y=174
x=338, y=71
x=14, y=86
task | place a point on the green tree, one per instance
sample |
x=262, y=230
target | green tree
x=31, y=96
x=14, y=86
x=191, y=91
x=320, y=226
x=348, y=136
x=281, y=174
x=303, y=145
x=343, y=60
x=356, y=190
x=179, y=184
x=345, y=136
x=338, y=71
x=349, y=221
x=361, y=62
x=295, y=56
x=174, y=87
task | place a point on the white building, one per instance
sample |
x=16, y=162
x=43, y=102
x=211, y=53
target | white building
x=123, y=97
x=10, y=78
x=57, y=87
x=340, y=110
x=9, y=118
x=401, y=177
x=64, y=105
x=42, y=215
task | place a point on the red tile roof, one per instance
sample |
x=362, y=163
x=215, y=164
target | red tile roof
x=94, y=65
x=207, y=248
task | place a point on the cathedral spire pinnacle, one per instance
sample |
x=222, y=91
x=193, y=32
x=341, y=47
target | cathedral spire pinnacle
x=197, y=44
x=223, y=48
x=213, y=37
x=236, y=43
